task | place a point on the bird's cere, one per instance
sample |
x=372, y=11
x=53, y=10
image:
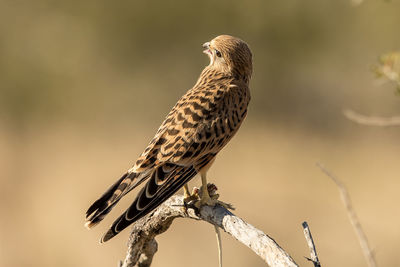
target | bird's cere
x=207, y=49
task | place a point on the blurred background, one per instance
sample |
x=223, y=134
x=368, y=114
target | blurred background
x=85, y=84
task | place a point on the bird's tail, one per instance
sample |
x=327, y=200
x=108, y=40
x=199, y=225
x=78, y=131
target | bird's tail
x=101, y=207
x=163, y=183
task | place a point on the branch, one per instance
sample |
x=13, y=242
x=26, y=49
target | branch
x=311, y=245
x=142, y=245
x=362, y=238
x=371, y=120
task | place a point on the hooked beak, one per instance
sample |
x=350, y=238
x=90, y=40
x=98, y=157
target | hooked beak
x=207, y=48
x=206, y=45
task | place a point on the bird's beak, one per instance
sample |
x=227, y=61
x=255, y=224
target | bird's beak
x=207, y=49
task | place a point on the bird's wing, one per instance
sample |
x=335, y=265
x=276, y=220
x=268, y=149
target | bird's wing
x=194, y=131
x=178, y=140
x=164, y=182
x=197, y=125
x=190, y=137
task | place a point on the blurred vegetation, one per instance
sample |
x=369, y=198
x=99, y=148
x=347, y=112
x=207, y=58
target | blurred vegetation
x=83, y=61
x=84, y=85
x=389, y=69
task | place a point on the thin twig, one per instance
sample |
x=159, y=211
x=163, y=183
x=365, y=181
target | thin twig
x=219, y=244
x=362, y=238
x=159, y=220
x=371, y=120
x=311, y=245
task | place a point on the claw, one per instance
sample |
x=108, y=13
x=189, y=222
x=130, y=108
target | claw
x=210, y=198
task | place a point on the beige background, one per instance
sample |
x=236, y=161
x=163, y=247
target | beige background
x=85, y=84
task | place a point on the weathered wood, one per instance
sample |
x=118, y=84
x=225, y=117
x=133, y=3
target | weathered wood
x=142, y=245
x=310, y=242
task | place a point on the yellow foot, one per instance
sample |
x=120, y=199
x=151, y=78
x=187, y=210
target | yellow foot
x=187, y=198
x=190, y=198
x=210, y=198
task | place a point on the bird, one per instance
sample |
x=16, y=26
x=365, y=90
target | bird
x=200, y=124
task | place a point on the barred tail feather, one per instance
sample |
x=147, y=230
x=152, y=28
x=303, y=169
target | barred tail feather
x=101, y=207
x=158, y=189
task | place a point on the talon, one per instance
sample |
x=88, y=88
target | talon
x=190, y=199
x=210, y=197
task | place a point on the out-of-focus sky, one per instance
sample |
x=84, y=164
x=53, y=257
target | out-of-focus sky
x=85, y=84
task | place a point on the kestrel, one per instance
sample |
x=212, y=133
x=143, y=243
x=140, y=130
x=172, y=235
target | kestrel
x=199, y=125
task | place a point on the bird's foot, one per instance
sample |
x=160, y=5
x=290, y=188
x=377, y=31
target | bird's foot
x=189, y=199
x=209, y=198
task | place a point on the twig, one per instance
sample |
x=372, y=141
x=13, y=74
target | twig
x=146, y=229
x=371, y=120
x=311, y=245
x=219, y=244
x=362, y=238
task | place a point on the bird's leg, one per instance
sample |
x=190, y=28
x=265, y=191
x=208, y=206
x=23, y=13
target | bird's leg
x=189, y=197
x=205, y=197
x=186, y=193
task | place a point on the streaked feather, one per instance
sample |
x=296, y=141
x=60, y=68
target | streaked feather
x=200, y=124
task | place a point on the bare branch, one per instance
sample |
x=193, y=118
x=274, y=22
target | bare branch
x=371, y=120
x=311, y=245
x=362, y=238
x=158, y=221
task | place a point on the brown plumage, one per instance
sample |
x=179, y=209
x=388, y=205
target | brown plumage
x=196, y=129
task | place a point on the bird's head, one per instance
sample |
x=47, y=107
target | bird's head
x=231, y=55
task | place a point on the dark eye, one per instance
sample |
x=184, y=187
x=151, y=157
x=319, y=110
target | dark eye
x=218, y=53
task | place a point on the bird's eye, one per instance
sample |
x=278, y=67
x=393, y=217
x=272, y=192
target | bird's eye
x=218, y=53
